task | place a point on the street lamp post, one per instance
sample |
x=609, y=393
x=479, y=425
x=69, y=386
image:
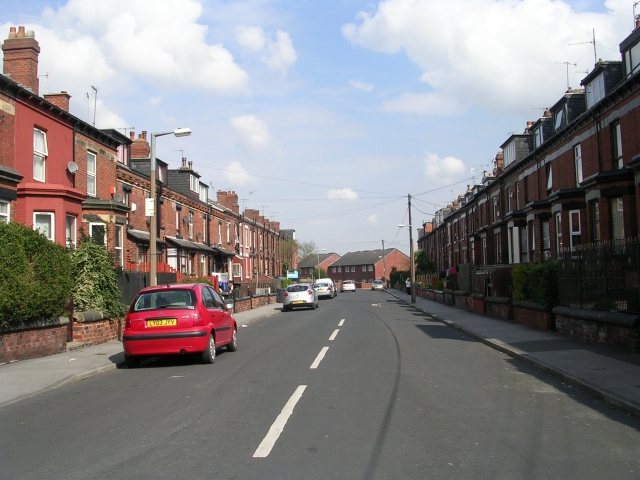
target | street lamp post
x=153, y=229
x=318, y=265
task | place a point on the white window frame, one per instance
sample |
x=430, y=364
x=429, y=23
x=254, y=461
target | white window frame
x=617, y=218
x=370, y=268
x=52, y=220
x=237, y=270
x=98, y=224
x=119, y=245
x=364, y=268
x=550, y=178
x=40, y=156
x=92, y=181
x=617, y=146
x=353, y=269
x=5, y=211
x=577, y=160
x=340, y=269
x=71, y=229
x=558, y=233
x=194, y=184
x=190, y=225
x=509, y=153
x=595, y=91
x=577, y=232
x=204, y=193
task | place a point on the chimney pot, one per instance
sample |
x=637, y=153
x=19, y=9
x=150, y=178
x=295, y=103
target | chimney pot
x=132, y=135
x=184, y=162
x=21, y=33
x=12, y=32
x=144, y=134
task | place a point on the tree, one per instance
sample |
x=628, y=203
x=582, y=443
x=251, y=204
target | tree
x=288, y=251
x=423, y=263
x=307, y=249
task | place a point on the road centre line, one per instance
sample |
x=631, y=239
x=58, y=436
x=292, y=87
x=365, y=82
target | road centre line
x=319, y=358
x=334, y=334
x=276, y=429
x=341, y=322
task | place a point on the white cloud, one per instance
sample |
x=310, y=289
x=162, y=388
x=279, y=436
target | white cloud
x=252, y=38
x=105, y=118
x=493, y=54
x=357, y=84
x=160, y=43
x=253, y=134
x=372, y=220
x=236, y=174
x=277, y=53
x=423, y=103
x=155, y=100
x=442, y=170
x=343, y=193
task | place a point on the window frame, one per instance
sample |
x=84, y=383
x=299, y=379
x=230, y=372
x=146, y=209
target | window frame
x=616, y=141
x=5, y=217
x=118, y=244
x=98, y=224
x=52, y=217
x=577, y=163
x=92, y=177
x=71, y=231
x=40, y=154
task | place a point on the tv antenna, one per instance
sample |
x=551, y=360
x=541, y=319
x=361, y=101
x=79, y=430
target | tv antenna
x=593, y=42
x=567, y=64
x=635, y=17
x=46, y=75
x=95, y=104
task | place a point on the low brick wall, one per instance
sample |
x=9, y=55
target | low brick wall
x=611, y=328
x=460, y=299
x=498, y=307
x=93, y=328
x=33, y=339
x=249, y=303
x=533, y=315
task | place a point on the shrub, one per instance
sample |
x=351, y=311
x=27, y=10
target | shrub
x=520, y=277
x=536, y=282
x=196, y=280
x=35, y=278
x=440, y=285
x=95, y=279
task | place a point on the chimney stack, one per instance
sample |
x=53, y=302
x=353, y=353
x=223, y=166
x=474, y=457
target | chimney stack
x=20, y=62
x=60, y=100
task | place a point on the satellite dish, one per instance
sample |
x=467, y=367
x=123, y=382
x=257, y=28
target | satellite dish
x=72, y=167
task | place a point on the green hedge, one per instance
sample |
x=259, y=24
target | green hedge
x=35, y=275
x=537, y=282
x=95, y=278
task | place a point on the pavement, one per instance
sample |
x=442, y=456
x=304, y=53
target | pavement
x=605, y=372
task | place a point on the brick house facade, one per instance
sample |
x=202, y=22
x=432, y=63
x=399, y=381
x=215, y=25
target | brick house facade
x=367, y=266
x=569, y=179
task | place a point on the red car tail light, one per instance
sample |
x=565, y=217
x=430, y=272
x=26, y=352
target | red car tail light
x=127, y=322
x=198, y=319
x=285, y=294
x=309, y=292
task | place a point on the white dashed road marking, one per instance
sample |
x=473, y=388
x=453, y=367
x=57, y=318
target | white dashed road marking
x=341, y=322
x=319, y=358
x=334, y=334
x=278, y=426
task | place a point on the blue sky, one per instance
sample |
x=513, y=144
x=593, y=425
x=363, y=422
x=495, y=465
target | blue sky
x=323, y=115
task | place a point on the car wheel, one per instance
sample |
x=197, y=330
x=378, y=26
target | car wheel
x=233, y=346
x=313, y=306
x=285, y=308
x=209, y=355
x=132, y=362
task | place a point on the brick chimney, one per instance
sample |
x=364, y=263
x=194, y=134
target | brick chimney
x=60, y=100
x=229, y=200
x=140, y=148
x=21, y=52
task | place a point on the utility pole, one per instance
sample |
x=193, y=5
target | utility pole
x=412, y=260
x=384, y=266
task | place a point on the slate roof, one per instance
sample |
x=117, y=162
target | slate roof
x=313, y=261
x=367, y=257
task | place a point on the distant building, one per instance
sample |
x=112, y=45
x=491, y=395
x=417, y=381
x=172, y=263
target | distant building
x=367, y=266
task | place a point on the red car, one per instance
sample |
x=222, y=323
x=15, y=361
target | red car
x=178, y=319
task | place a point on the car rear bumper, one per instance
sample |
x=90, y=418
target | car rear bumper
x=296, y=305
x=165, y=343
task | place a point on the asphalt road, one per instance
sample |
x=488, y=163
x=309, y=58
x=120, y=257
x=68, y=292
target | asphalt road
x=391, y=395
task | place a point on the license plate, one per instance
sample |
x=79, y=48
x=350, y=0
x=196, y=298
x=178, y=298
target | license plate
x=165, y=322
x=297, y=301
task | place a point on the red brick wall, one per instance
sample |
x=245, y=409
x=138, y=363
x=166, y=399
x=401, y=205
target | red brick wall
x=533, y=318
x=95, y=333
x=32, y=343
x=498, y=310
x=599, y=332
